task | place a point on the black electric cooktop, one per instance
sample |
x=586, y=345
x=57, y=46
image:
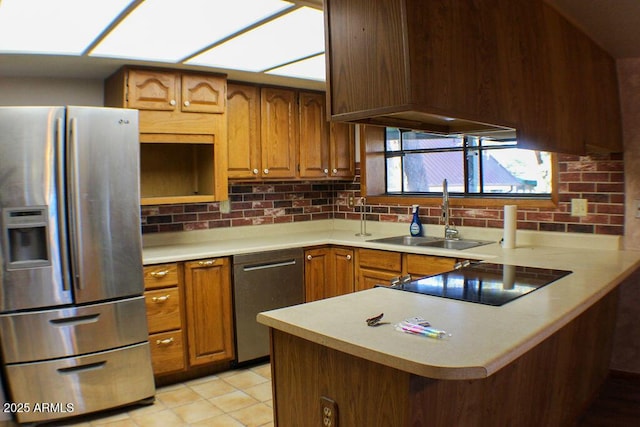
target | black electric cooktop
x=485, y=283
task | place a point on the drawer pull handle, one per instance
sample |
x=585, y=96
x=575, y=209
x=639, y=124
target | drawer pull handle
x=163, y=298
x=75, y=320
x=206, y=263
x=348, y=257
x=82, y=368
x=159, y=274
x=165, y=341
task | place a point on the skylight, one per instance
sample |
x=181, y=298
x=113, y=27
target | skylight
x=158, y=30
x=293, y=36
x=63, y=27
x=261, y=36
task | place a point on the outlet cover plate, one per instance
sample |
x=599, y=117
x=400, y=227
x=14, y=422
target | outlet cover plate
x=578, y=207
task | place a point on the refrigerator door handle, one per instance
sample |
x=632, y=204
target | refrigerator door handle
x=74, y=197
x=62, y=208
x=82, y=368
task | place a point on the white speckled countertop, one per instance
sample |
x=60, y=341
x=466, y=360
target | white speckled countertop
x=484, y=338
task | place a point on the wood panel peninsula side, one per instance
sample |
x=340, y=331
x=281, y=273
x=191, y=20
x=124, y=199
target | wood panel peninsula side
x=383, y=377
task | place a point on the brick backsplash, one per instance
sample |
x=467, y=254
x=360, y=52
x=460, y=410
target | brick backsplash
x=597, y=178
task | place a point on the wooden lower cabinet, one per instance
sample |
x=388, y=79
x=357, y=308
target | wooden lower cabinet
x=547, y=386
x=163, y=288
x=167, y=352
x=426, y=265
x=189, y=314
x=376, y=267
x=328, y=271
x=209, y=311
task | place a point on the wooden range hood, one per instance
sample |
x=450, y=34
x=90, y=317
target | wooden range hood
x=481, y=67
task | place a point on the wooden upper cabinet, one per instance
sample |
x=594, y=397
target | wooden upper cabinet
x=243, y=129
x=278, y=132
x=203, y=94
x=342, y=151
x=183, y=132
x=152, y=90
x=314, y=143
x=159, y=90
x=327, y=149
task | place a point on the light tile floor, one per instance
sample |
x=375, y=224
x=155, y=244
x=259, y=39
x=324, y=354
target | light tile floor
x=235, y=398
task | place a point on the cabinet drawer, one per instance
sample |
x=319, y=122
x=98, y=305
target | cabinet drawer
x=50, y=334
x=163, y=309
x=425, y=265
x=89, y=383
x=160, y=276
x=167, y=352
x=381, y=260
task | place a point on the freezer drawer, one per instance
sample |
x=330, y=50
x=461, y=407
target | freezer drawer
x=78, y=385
x=50, y=334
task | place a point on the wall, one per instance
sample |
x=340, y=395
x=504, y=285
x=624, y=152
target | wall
x=51, y=91
x=626, y=355
x=600, y=179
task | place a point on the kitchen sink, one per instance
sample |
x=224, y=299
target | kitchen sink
x=432, y=242
x=406, y=240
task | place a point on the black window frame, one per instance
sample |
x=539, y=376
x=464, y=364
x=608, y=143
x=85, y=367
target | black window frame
x=465, y=150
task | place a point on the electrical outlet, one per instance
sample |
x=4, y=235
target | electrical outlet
x=225, y=206
x=351, y=202
x=578, y=207
x=329, y=412
x=637, y=208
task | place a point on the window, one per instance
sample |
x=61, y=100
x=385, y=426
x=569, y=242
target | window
x=418, y=162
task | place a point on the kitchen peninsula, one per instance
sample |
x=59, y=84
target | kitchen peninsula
x=534, y=361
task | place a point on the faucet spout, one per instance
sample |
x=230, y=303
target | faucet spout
x=450, y=231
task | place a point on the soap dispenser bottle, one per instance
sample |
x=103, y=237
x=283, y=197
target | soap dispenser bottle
x=416, y=227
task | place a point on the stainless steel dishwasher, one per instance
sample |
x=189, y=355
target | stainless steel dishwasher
x=263, y=281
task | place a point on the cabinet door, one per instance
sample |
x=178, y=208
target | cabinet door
x=203, y=94
x=328, y=272
x=317, y=273
x=342, y=151
x=152, y=90
x=209, y=311
x=278, y=132
x=243, y=133
x=314, y=144
x=343, y=272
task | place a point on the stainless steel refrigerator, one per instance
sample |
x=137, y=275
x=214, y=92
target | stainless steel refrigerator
x=73, y=328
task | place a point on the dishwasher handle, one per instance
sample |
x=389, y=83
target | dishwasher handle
x=269, y=265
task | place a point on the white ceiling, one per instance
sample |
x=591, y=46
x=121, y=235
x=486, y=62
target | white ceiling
x=614, y=24
x=275, y=41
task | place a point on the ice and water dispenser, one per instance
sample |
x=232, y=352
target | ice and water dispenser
x=25, y=237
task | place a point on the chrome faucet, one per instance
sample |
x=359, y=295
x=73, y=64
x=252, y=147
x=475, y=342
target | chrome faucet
x=450, y=231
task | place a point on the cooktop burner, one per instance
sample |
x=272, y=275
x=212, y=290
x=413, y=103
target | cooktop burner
x=485, y=283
